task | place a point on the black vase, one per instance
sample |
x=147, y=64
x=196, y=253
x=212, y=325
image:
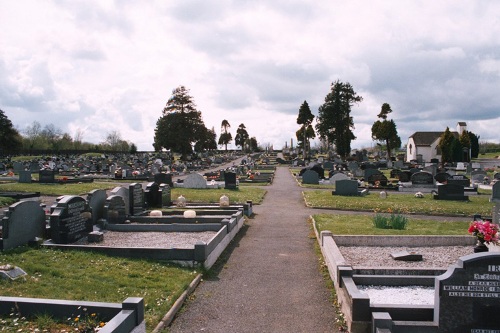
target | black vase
x=480, y=246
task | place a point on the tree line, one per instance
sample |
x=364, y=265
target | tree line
x=35, y=138
x=335, y=126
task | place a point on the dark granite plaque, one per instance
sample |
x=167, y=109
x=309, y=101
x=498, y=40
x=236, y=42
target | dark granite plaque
x=46, y=176
x=136, y=199
x=166, y=195
x=70, y=220
x=468, y=295
x=422, y=178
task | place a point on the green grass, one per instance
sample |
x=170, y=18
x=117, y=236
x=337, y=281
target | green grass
x=76, y=275
x=363, y=225
x=404, y=203
x=6, y=201
x=241, y=195
x=55, y=189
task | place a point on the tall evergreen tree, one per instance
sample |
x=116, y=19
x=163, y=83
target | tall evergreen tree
x=385, y=130
x=180, y=125
x=241, y=136
x=10, y=139
x=446, y=146
x=225, y=137
x=305, y=119
x=474, y=144
x=335, y=123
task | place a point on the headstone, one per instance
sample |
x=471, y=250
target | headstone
x=451, y=192
x=46, y=176
x=460, y=166
x=195, y=180
x=404, y=176
x=476, y=166
x=434, y=161
x=124, y=193
x=459, y=180
x=115, y=210
x=370, y=172
x=398, y=164
x=163, y=178
x=152, y=195
x=136, y=199
x=495, y=192
x=346, y=187
x=477, y=177
x=467, y=296
x=166, y=195
x=96, y=200
x=414, y=170
x=230, y=180
x=338, y=176
x=70, y=220
x=378, y=179
x=432, y=169
x=17, y=166
x=496, y=213
x=406, y=256
x=25, y=176
x=328, y=165
x=310, y=177
x=442, y=177
x=22, y=223
x=422, y=178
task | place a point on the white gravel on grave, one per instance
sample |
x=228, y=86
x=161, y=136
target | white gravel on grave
x=408, y=295
x=152, y=239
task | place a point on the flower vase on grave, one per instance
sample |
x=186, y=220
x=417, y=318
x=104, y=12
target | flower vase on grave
x=224, y=201
x=181, y=201
x=480, y=246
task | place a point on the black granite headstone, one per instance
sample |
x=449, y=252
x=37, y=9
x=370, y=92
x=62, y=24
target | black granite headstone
x=441, y=177
x=46, y=176
x=136, y=199
x=152, y=195
x=163, y=178
x=468, y=295
x=451, y=192
x=422, y=178
x=70, y=220
x=459, y=180
x=230, y=180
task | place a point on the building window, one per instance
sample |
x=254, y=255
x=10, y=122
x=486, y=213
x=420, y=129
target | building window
x=410, y=148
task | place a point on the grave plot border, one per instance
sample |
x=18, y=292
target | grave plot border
x=124, y=317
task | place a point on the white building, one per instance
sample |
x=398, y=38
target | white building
x=423, y=146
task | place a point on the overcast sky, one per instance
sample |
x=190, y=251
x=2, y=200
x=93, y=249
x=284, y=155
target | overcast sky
x=103, y=66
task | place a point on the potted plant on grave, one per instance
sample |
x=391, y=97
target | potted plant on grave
x=485, y=232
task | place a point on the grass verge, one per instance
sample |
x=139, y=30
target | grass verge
x=363, y=225
x=402, y=203
x=240, y=195
x=55, y=189
x=76, y=275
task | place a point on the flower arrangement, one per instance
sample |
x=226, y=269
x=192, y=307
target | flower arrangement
x=485, y=231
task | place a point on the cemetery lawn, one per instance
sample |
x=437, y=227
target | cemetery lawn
x=363, y=225
x=241, y=195
x=55, y=189
x=6, y=201
x=76, y=275
x=402, y=203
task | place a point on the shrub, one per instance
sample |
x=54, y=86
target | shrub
x=398, y=221
x=380, y=221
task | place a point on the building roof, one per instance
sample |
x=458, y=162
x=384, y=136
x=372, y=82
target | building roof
x=427, y=138
x=462, y=123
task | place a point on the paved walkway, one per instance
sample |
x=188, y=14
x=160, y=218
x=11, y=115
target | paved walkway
x=271, y=281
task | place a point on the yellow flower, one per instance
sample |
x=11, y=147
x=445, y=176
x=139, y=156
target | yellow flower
x=101, y=324
x=77, y=319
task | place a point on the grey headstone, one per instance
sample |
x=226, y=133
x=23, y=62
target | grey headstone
x=398, y=164
x=467, y=296
x=195, y=180
x=346, y=187
x=70, y=220
x=166, y=195
x=495, y=194
x=496, y=175
x=124, y=193
x=25, y=176
x=115, y=210
x=370, y=172
x=328, y=165
x=496, y=213
x=96, y=200
x=310, y=177
x=11, y=273
x=23, y=222
x=338, y=176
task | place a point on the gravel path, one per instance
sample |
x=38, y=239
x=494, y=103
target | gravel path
x=271, y=280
